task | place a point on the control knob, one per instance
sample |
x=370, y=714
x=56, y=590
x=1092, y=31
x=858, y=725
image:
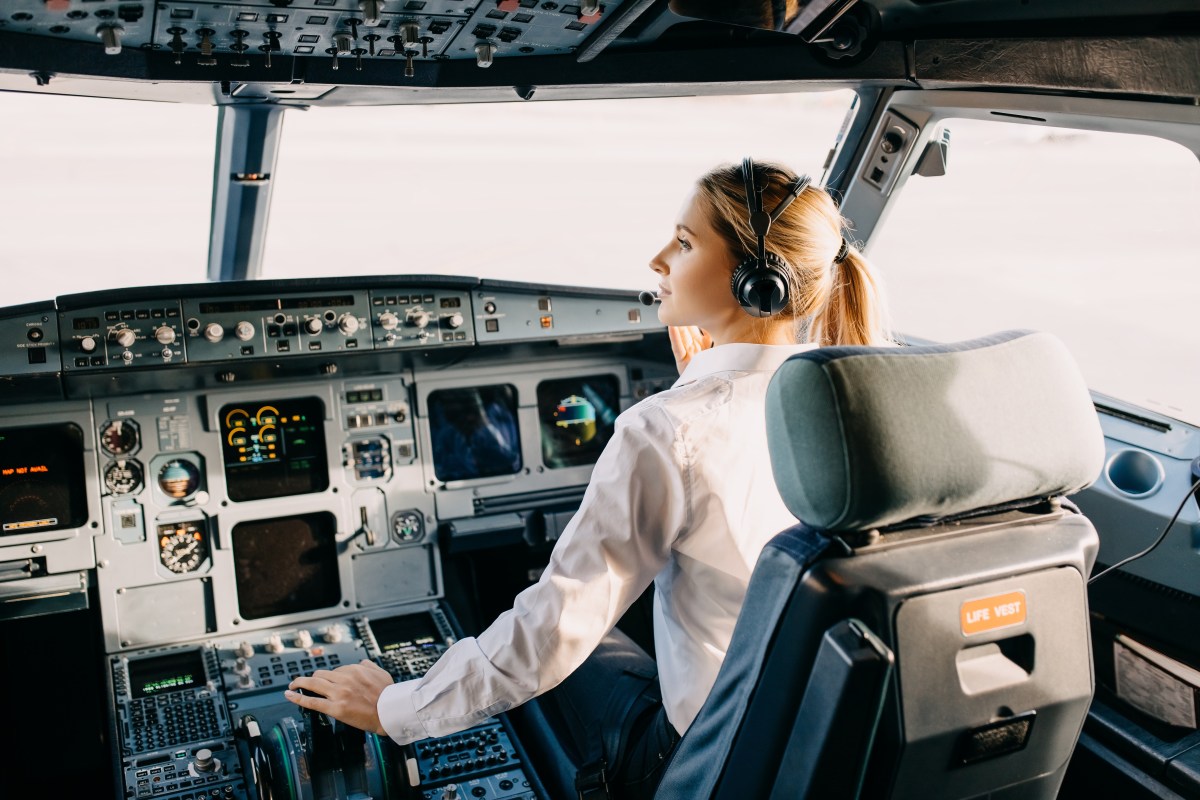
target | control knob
x=214, y=332
x=303, y=639
x=417, y=317
x=245, y=650
x=455, y=320
x=244, y=331
x=125, y=337
x=333, y=633
x=204, y=762
x=313, y=325
x=165, y=334
x=388, y=321
x=87, y=344
x=274, y=643
x=450, y=792
x=348, y=324
x=241, y=666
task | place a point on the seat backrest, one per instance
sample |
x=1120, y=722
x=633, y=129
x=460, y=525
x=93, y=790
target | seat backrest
x=937, y=580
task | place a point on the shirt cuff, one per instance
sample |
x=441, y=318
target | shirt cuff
x=398, y=713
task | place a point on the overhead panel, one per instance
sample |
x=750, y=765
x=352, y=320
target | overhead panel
x=349, y=32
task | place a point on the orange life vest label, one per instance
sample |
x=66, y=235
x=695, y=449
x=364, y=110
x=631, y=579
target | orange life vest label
x=990, y=613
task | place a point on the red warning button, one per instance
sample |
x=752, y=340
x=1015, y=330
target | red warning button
x=990, y=613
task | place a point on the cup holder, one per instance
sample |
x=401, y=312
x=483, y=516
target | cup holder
x=1134, y=473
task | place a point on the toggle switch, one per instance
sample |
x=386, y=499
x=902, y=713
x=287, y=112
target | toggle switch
x=484, y=53
x=177, y=44
x=372, y=10
x=111, y=36
x=206, y=47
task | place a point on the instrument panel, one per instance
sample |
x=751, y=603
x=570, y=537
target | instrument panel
x=275, y=491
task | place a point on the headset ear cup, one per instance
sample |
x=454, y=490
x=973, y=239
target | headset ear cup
x=762, y=290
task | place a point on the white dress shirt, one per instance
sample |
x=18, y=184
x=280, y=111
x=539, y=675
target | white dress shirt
x=683, y=496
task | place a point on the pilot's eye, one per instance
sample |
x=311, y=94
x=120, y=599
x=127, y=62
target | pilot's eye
x=684, y=244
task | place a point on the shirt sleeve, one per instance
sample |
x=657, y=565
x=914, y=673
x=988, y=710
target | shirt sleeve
x=634, y=508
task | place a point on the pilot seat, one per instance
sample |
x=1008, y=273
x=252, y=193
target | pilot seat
x=924, y=630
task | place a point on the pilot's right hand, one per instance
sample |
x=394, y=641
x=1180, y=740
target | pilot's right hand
x=686, y=342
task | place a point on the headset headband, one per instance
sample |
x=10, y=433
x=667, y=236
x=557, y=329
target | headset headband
x=760, y=221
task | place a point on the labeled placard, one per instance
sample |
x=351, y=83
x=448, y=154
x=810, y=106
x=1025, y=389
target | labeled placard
x=990, y=613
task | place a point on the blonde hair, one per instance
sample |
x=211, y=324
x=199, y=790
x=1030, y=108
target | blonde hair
x=830, y=303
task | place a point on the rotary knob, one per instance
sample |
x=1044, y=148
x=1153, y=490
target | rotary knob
x=388, y=321
x=245, y=650
x=274, y=643
x=348, y=324
x=87, y=344
x=418, y=318
x=165, y=335
x=333, y=634
x=204, y=761
x=455, y=320
x=241, y=666
x=214, y=332
x=313, y=325
x=244, y=331
x=303, y=639
x=124, y=337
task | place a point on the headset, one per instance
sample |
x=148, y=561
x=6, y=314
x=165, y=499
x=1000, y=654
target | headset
x=761, y=283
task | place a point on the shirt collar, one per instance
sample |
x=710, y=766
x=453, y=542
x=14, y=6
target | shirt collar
x=739, y=357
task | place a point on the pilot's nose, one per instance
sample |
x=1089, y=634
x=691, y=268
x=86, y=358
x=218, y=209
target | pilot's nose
x=658, y=264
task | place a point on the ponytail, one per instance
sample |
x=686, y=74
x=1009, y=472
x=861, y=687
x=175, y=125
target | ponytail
x=853, y=313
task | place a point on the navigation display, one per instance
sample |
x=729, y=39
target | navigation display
x=274, y=449
x=475, y=433
x=286, y=565
x=577, y=416
x=41, y=479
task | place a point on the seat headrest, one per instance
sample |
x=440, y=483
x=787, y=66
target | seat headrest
x=866, y=437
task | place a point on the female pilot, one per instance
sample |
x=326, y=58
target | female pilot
x=682, y=496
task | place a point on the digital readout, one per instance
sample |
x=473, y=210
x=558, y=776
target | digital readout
x=166, y=673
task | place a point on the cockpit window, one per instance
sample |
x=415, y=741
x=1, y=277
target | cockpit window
x=102, y=193
x=1081, y=234
x=581, y=193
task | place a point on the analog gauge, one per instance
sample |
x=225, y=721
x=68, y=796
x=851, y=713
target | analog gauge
x=179, y=478
x=182, y=546
x=408, y=526
x=119, y=437
x=123, y=476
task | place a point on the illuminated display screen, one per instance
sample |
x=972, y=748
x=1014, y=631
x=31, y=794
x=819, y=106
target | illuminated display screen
x=576, y=418
x=167, y=673
x=410, y=630
x=475, y=433
x=286, y=565
x=41, y=479
x=274, y=449
x=365, y=396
